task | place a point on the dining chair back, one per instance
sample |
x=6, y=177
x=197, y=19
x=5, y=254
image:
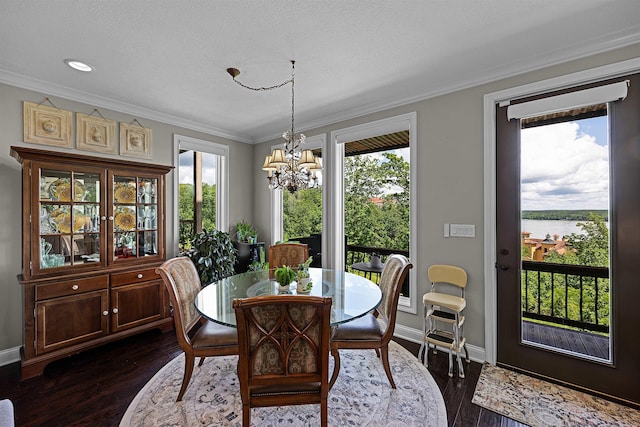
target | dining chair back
x=291, y=254
x=283, y=345
x=374, y=330
x=197, y=336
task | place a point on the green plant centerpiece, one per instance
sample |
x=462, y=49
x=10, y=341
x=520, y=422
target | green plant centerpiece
x=213, y=254
x=303, y=278
x=284, y=276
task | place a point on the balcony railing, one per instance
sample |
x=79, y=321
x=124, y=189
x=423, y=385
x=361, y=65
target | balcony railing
x=357, y=253
x=563, y=294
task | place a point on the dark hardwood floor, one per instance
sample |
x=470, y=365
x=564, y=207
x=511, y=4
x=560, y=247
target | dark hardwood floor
x=94, y=388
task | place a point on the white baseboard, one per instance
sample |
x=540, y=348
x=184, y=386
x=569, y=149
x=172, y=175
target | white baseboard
x=477, y=354
x=10, y=355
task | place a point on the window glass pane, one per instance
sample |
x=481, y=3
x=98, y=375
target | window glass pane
x=565, y=285
x=302, y=217
x=209, y=178
x=377, y=206
x=186, y=197
x=197, y=190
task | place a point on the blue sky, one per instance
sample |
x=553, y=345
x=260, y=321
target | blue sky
x=566, y=165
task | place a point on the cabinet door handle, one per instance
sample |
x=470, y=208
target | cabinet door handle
x=103, y=218
x=110, y=217
x=105, y=313
x=139, y=275
x=75, y=287
x=115, y=311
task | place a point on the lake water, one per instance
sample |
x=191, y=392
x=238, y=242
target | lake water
x=539, y=228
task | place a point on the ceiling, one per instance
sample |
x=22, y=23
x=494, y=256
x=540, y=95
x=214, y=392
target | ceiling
x=166, y=60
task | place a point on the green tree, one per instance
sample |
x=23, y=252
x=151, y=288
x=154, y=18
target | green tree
x=384, y=224
x=302, y=213
x=590, y=247
x=186, y=211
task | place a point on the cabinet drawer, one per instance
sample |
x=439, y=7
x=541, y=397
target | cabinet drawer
x=135, y=276
x=70, y=287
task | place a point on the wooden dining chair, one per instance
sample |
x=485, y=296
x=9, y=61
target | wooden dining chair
x=291, y=254
x=284, y=352
x=374, y=330
x=197, y=336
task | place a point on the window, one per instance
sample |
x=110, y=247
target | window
x=200, y=188
x=343, y=141
x=299, y=216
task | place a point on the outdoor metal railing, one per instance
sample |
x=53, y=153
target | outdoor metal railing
x=572, y=295
x=357, y=253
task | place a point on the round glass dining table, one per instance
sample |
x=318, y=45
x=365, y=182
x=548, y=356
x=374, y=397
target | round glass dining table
x=352, y=296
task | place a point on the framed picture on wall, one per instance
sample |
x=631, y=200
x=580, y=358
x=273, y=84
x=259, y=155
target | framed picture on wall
x=47, y=125
x=95, y=134
x=135, y=141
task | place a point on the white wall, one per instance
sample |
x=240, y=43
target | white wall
x=11, y=133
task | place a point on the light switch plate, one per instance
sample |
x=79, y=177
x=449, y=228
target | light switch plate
x=462, y=230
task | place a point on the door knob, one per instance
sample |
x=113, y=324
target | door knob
x=504, y=267
x=504, y=251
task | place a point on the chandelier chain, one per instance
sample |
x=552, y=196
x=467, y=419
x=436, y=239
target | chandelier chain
x=261, y=89
x=292, y=168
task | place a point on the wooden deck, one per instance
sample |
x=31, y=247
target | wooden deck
x=586, y=343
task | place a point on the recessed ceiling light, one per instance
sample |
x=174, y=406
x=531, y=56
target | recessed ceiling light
x=78, y=65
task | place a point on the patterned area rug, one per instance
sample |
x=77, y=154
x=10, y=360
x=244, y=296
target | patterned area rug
x=539, y=403
x=361, y=396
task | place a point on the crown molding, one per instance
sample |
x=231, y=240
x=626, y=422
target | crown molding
x=50, y=89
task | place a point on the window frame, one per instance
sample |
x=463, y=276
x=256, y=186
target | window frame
x=182, y=142
x=339, y=137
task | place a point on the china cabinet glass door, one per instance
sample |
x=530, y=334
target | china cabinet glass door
x=135, y=217
x=69, y=223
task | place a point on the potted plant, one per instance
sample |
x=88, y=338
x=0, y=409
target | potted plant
x=302, y=276
x=284, y=276
x=213, y=254
x=245, y=232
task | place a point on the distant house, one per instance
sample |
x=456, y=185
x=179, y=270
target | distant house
x=540, y=248
x=377, y=201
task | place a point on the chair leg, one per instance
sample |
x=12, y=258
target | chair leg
x=466, y=353
x=460, y=368
x=336, y=367
x=426, y=355
x=424, y=336
x=201, y=361
x=450, y=362
x=385, y=362
x=246, y=415
x=324, y=412
x=189, y=361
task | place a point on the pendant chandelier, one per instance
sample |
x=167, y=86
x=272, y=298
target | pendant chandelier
x=291, y=168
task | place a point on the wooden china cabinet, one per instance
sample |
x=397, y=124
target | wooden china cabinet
x=93, y=233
